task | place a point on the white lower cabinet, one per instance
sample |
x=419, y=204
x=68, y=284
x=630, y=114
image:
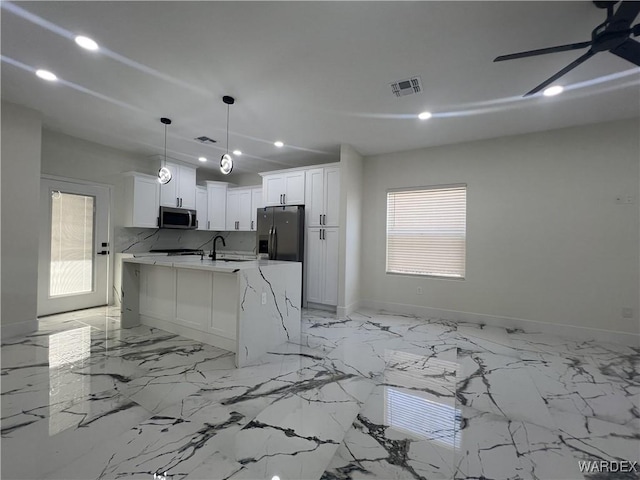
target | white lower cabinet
x=193, y=298
x=224, y=311
x=196, y=299
x=322, y=265
x=157, y=292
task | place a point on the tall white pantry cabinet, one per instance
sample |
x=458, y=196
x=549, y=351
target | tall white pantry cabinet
x=322, y=211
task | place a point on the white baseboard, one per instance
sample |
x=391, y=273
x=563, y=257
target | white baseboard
x=343, y=312
x=322, y=306
x=184, y=331
x=19, y=328
x=529, y=326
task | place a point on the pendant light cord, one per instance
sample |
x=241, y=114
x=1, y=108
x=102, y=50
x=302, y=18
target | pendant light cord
x=227, y=128
x=165, y=144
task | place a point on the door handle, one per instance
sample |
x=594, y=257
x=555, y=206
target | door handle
x=270, y=249
x=103, y=252
x=275, y=243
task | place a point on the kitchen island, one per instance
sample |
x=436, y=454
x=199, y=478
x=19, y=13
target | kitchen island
x=246, y=307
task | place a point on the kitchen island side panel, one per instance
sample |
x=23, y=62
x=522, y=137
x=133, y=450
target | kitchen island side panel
x=262, y=327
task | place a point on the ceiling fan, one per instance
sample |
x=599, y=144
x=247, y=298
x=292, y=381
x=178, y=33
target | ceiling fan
x=612, y=35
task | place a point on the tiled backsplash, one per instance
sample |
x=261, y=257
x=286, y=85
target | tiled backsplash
x=137, y=240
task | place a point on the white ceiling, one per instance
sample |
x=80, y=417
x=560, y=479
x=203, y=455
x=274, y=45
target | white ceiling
x=312, y=74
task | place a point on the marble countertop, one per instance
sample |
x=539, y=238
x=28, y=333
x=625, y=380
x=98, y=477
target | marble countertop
x=194, y=262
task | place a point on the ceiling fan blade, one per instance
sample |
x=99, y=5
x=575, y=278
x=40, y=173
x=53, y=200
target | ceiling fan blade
x=624, y=16
x=562, y=72
x=629, y=50
x=543, y=51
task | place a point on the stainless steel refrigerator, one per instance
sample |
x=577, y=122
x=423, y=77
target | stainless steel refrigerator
x=281, y=233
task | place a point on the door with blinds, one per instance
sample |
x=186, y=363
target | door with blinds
x=73, y=265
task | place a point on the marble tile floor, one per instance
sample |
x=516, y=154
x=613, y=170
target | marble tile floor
x=373, y=396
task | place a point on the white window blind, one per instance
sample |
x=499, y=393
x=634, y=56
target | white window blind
x=426, y=231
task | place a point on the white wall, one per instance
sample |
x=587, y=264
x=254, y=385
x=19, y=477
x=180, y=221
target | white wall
x=546, y=240
x=351, y=177
x=21, y=140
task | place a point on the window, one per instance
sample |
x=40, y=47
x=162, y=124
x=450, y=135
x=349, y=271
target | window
x=426, y=231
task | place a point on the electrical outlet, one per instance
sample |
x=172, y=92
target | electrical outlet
x=419, y=291
x=627, y=312
x=625, y=200
x=264, y=298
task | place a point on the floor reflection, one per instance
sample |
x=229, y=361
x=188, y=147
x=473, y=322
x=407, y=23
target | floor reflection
x=419, y=397
x=68, y=351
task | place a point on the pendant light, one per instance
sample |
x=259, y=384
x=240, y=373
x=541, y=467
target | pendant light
x=164, y=174
x=226, y=161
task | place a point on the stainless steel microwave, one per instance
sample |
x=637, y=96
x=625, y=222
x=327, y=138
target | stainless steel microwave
x=171, y=217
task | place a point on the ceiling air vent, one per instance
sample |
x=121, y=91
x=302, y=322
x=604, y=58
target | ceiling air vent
x=407, y=87
x=205, y=139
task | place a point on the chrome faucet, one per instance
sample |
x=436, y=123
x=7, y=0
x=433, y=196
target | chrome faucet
x=213, y=251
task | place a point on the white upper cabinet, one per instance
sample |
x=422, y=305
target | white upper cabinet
x=141, y=200
x=239, y=209
x=216, y=205
x=322, y=196
x=256, y=203
x=201, y=207
x=181, y=190
x=283, y=188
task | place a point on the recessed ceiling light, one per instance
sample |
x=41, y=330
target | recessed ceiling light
x=203, y=159
x=46, y=75
x=551, y=91
x=278, y=144
x=424, y=116
x=237, y=153
x=86, y=42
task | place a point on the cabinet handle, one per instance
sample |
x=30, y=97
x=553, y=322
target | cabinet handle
x=177, y=202
x=208, y=225
x=324, y=219
x=320, y=219
x=251, y=224
x=320, y=234
x=284, y=198
x=237, y=225
x=180, y=201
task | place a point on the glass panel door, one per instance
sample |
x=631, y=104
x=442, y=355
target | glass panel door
x=73, y=265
